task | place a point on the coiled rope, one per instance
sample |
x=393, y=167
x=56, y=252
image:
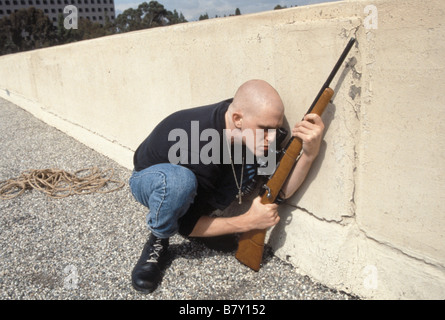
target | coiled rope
x=60, y=184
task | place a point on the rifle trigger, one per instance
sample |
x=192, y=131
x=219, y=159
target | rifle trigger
x=268, y=190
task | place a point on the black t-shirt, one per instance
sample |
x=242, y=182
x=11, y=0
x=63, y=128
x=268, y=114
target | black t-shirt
x=216, y=184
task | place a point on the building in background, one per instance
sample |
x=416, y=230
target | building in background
x=93, y=10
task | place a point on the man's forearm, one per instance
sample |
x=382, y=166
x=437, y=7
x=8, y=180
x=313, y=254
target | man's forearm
x=217, y=226
x=259, y=216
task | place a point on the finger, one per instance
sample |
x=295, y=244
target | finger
x=307, y=126
x=277, y=219
x=302, y=133
x=314, y=118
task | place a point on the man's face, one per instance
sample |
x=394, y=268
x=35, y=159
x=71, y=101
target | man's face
x=262, y=126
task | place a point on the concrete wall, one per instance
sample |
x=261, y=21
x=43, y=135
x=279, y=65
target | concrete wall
x=369, y=219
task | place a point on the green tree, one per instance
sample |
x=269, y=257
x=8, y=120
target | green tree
x=30, y=29
x=109, y=26
x=203, y=17
x=129, y=20
x=26, y=29
x=65, y=35
x=174, y=17
x=237, y=12
x=6, y=43
x=88, y=30
x=147, y=15
x=153, y=14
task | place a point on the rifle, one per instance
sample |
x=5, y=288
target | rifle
x=251, y=243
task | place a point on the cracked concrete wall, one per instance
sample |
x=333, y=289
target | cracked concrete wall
x=369, y=217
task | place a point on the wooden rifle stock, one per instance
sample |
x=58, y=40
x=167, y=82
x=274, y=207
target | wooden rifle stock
x=251, y=243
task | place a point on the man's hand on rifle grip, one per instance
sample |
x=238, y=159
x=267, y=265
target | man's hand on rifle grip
x=262, y=216
x=310, y=131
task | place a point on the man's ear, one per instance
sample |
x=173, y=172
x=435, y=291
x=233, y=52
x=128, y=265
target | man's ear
x=237, y=118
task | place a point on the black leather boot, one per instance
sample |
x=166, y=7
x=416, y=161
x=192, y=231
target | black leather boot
x=147, y=273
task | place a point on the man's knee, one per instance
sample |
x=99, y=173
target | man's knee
x=182, y=184
x=165, y=182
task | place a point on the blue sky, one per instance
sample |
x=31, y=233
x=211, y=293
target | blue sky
x=192, y=9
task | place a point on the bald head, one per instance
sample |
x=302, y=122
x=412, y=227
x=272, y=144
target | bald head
x=255, y=95
x=255, y=104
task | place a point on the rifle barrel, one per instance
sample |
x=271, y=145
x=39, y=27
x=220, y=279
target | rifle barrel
x=333, y=72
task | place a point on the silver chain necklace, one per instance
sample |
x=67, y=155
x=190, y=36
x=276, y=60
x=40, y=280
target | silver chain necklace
x=240, y=184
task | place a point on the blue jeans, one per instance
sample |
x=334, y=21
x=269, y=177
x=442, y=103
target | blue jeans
x=167, y=190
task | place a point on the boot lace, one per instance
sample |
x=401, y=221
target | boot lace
x=156, y=252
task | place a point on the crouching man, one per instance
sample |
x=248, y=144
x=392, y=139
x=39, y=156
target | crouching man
x=180, y=195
